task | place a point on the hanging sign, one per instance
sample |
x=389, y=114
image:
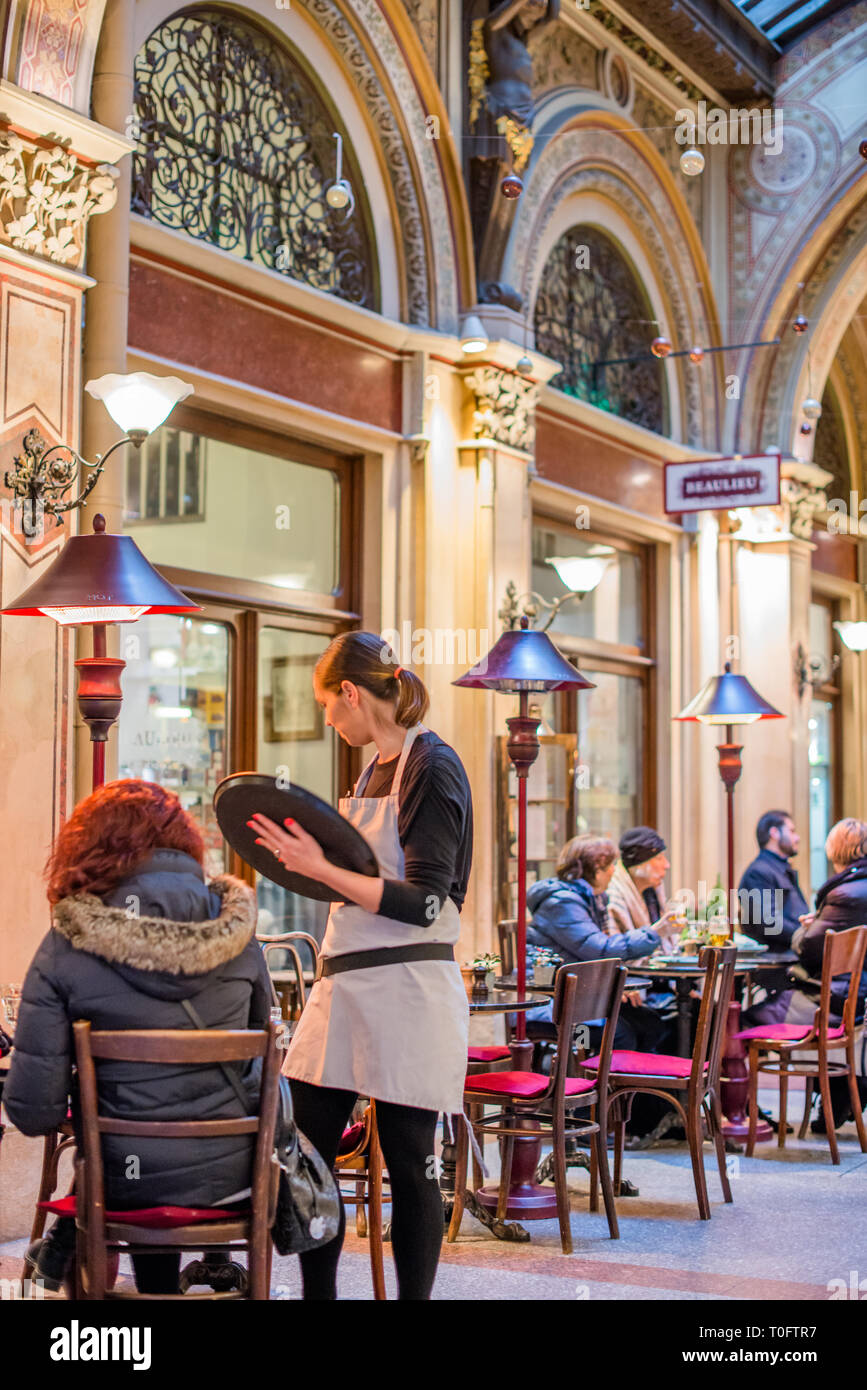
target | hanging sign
x=745, y=480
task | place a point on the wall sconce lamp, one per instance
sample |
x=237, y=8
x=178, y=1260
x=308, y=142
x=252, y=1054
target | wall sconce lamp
x=41, y=477
x=580, y=574
x=853, y=636
x=814, y=670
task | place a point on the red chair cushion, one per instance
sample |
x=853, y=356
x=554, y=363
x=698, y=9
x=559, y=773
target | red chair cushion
x=488, y=1054
x=527, y=1084
x=350, y=1138
x=156, y=1218
x=786, y=1032
x=645, y=1064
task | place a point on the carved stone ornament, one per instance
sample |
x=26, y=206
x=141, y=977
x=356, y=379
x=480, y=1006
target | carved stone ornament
x=505, y=407
x=804, y=494
x=47, y=197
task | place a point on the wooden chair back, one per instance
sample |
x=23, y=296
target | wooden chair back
x=174, y=1047
x=723, y=989
x=286, y=941
x=507, y=935
x=842, y=954
x=708, y=1013
x=583, y=992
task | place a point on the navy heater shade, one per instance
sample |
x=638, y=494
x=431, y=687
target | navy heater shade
x=100, y=578
x=523, y=660
x=728, y=699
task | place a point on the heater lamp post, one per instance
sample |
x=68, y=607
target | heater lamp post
x=523, y=662
x=95, y=580
x=728, y=700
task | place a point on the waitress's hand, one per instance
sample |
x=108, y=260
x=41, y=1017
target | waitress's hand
x=295, y=849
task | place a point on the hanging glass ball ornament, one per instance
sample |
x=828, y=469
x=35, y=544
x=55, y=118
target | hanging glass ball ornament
x=806, y=427
x=692, y=162
x=800, y=324
x=696, y=354
x=511, y=186
x=524, y=365
x=811, y=408
x=660, y=347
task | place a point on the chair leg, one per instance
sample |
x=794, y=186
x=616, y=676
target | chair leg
x=715, y=1127
x=856, y=1099
x=257, y=1268
x=825, y=1088
x=561, y=1189
x=594, y=1171
x=694, y=1139
x=475, y=1112
x=374, y=1199
x=753, y=1101
x=808, y=1105
x=782, y=1124
x=619, y=1140
x=461, y=1148
x=600, y=1148
x=506, y=1175
x=360, y=1212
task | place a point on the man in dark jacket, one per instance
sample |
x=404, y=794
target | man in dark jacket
x=769, y=895
x=127, y=960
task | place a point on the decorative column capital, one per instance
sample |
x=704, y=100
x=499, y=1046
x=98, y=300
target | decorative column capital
x=802, y=488
x=505, y=407
x=47, y=196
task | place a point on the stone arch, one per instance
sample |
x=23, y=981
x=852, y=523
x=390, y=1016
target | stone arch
x=585, y=174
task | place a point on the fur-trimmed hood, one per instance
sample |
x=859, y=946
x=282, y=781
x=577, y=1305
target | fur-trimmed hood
x=161, y=946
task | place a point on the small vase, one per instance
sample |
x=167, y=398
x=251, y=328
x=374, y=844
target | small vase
x=480, y=982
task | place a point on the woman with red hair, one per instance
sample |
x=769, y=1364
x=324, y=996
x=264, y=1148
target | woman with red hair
x=136, y=931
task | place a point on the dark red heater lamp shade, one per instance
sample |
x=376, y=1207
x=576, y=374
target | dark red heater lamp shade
x=100, y=578
x=523, y=661
x=728, y=699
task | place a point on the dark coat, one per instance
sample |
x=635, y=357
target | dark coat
x=841, y=903
x=126, y=961
x=773, y=920
x=570, y=919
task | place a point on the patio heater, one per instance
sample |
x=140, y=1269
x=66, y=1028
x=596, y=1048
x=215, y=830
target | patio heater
x=728, y=700
x=523, y=662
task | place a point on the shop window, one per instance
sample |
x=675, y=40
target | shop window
x=591, y=307
x=234, y=146
x=173, y=721
x=613, y=611
x=235, y=511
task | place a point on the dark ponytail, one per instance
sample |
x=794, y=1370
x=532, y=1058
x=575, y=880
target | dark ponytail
x=369, y=662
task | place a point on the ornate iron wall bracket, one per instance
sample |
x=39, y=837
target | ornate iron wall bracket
x=41, y=479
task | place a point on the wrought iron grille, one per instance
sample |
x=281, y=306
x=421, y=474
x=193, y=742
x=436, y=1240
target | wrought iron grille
x=235, y=147
x=590, y=306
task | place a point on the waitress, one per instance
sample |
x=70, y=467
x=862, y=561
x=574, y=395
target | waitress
x=388, y=1018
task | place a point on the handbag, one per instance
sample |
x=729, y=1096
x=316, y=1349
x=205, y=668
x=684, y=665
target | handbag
x=308, y=1202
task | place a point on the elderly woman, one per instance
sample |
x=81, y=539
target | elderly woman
x=841, y=903
x=570, y=917
x=633, y=899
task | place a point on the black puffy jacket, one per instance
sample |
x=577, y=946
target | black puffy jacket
x=126, y=961
x=841, y=903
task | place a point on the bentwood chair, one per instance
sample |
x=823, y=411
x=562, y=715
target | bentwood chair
x=690, y=1084
x=289, y=942
x=530, y=1103
x=359, y=1159
x=168, y=1229
x=775, y=1048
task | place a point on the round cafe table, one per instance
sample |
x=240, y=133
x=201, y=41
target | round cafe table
x=525, y=1197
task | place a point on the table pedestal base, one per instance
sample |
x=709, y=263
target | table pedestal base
x=734, y=1084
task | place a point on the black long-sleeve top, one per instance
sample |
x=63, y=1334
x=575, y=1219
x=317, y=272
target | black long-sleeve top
x=435, y=829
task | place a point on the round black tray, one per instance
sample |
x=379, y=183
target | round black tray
x=239, y=796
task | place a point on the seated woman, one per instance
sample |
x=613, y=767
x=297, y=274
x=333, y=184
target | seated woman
x=135, y=930
x=841, y=903
x=570, y=916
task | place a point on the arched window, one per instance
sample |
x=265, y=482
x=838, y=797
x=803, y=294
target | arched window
x=591, y=307
x=235, y=146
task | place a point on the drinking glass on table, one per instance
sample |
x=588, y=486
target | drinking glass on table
x=10, y=997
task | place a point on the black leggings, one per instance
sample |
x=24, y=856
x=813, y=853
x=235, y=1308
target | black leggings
x=407, y=1138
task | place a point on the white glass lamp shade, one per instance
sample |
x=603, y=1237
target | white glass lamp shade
x=139, y=403
x=473, y=335
x=853, y=635
x=579, y=573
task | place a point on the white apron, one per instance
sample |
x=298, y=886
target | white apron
x=400, y=1032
